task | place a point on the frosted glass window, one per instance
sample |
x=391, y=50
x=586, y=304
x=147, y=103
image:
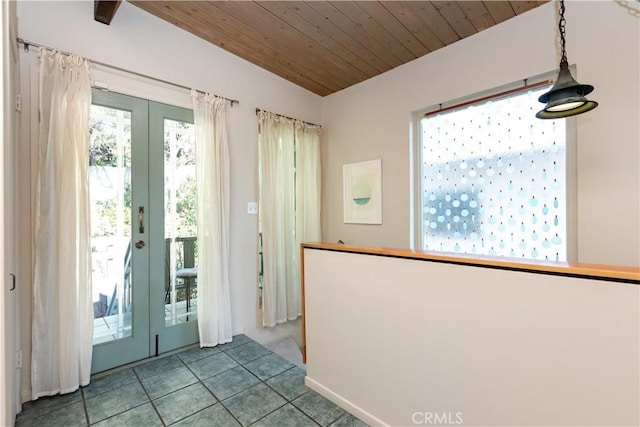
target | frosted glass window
x=493, y=180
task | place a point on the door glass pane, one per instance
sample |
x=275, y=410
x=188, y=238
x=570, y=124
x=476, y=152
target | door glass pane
x=181, y=263
x=110, y=192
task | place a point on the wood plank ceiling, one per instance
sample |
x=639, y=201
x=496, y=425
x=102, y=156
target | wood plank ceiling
x=326, y=46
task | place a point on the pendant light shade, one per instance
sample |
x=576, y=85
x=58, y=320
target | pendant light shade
x=567, y=97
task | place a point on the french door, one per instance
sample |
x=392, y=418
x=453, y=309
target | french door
x=143, y=220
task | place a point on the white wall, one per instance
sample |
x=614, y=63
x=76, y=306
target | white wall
x=372, y=120
x=140, y=42
x=388, y=338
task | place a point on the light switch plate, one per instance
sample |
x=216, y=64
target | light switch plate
x=252, y=208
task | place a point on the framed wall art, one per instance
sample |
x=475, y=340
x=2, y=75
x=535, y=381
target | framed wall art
x=362, y=192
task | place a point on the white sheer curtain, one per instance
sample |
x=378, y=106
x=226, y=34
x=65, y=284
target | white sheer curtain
x=289, y=210
x=211, y=116
x=308, y=180
x=62, y=309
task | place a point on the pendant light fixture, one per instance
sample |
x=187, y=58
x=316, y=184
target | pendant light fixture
x=567, y=96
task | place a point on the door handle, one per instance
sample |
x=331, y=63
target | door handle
x=141, y=219
x=140, y=244
x=13, y=281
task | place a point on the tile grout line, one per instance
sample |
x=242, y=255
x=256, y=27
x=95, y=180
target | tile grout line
x=200, y=381
x=137, y=378
x=266, y=415
x=260, y=381
x=221, y=401
x=259, y=376
x=255, y=385
x=149, y=397
x=287, y=400
x=84, y=406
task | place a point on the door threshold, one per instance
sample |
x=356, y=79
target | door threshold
x=143, y=361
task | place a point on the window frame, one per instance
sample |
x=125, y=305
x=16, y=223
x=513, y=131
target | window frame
x=416, y=223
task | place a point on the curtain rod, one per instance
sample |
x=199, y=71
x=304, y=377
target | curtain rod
x=488, y=97
x=287, y=117
x=26, y=45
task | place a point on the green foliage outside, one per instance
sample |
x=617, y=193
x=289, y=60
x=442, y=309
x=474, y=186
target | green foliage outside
x=186, y=207
x=106, y=127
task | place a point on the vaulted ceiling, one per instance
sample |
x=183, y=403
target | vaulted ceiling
x=326, y=46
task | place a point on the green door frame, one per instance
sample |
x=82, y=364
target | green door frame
x=162, y=338
x=149, y=336
x=119, y=352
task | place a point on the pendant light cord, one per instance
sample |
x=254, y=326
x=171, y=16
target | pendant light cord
x=562, y=27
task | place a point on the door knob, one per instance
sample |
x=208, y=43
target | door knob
x=140, y=244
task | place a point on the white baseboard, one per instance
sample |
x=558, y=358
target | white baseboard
x=343, y=403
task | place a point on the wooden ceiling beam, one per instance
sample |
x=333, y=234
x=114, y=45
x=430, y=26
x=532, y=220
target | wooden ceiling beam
x=105, y=10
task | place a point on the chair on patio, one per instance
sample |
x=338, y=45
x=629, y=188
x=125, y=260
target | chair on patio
x=186, y=272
